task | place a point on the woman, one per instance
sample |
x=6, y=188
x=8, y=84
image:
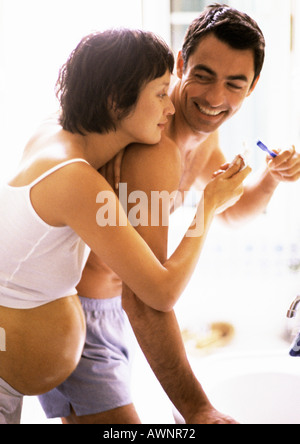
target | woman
x=113, y=92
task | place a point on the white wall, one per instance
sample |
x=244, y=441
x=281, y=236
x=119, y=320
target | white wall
x=36, y=37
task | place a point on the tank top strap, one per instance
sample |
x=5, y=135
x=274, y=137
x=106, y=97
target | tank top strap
x=55, y=168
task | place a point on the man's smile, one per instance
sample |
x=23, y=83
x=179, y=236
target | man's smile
x=209, y=112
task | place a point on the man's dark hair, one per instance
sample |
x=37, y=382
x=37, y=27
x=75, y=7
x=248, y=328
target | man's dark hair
x=232, y=27
x=104, y=76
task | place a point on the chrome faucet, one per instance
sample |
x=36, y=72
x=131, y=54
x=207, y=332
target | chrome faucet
x=293, y=309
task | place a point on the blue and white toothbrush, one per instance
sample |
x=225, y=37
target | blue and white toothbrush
x=263, y=147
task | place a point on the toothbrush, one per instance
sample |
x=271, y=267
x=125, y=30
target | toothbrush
x=263, y=147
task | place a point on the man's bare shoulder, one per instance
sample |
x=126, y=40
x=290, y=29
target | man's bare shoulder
x=152, y=166
x=165, y=149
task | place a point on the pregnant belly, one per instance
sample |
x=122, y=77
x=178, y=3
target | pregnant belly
x=43, y=345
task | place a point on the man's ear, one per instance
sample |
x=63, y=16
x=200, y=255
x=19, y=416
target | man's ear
x=253, y=86
x=180, y=65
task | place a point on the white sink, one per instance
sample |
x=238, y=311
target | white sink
x=261, y=388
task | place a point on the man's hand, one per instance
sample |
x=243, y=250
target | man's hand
x=286, y=166
x=211, y=416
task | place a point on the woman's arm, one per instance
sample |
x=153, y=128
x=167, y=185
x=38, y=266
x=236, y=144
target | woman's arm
x=72, y=194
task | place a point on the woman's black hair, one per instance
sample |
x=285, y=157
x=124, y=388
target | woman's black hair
x=104, y=76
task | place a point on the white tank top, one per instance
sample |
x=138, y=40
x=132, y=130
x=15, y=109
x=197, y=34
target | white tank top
x=38, y=263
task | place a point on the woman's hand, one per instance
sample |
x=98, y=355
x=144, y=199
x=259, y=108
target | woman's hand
x=226, y=187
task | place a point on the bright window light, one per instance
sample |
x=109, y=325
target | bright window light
x=36, y=37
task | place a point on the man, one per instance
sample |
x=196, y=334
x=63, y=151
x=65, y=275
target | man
x=218, y=68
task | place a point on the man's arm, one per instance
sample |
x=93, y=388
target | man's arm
x=254, y=201
x=284, y=168
x=208, y=158
x=158, y=169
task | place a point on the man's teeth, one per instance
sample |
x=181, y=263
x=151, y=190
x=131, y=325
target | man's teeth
x=208, y=112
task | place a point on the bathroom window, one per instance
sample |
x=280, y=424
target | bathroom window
x=183, y=12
